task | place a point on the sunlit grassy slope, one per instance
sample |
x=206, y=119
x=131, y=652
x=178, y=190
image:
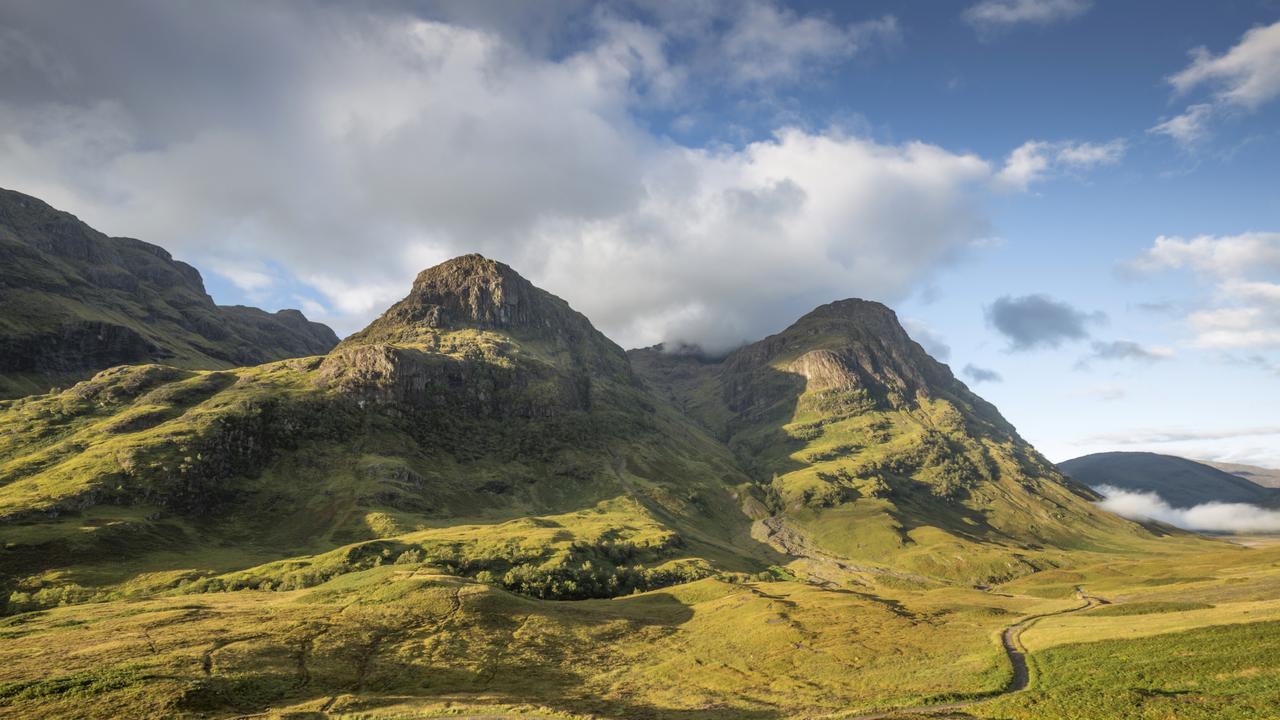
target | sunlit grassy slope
x=875, y=452
x=481, y=505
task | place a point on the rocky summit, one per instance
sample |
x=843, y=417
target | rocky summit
x=74, y=301
x=481, y=499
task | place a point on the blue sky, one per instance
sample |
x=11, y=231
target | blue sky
x=999, y=171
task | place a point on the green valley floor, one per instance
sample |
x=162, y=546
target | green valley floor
x=1191, y=633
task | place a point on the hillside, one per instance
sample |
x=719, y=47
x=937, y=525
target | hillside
x=477, y=400
x=820, y=522
x=74, y=301
x=1178, y=481
x=1266, y=477
x=873, y=451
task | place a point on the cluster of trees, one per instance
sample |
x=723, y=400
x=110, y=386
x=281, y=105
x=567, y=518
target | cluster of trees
x=591, y=580
x=606, y=568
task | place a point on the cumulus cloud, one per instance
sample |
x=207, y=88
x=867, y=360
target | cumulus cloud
x=723, y=236
x=1208, y=517
x=1228, y=256
x=1036, y=160
x=765, y=42
x=981, y=374
x=994, y=14
x=347, y=146
x=350, y=147
x=1246, y=76
x=1038, y=321
x=1243, y=269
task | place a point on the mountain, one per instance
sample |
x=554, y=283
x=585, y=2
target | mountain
x=74, y=301
x=477, y=399
x=1266, y=477
x=873, y=451
x=815, y=520
x=1178, y=481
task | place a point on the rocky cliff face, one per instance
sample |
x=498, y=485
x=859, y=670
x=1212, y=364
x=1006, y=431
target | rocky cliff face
x=74, y=301
x=476, y=294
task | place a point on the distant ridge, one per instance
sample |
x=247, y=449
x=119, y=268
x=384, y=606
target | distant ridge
x=1266, y=477
x=1178, y=481
x=74, y=301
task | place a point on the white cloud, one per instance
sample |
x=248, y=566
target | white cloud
x=378, y=143
x=1222, y=256
x=1188, y=128
x=1246, y=76
x=723, y=236
x=1245, y=310
x=350, y=148
x=250, y=277
x=990, y=14
x=1207, y=517
x=1086, y=155
x=1028, y=163
x=765, y=42
x=1037, y=160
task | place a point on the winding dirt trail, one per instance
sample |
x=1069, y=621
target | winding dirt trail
x=1011, y=641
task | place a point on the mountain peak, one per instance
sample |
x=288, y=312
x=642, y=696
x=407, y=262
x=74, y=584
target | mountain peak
x=851, y=342
x=473, y=292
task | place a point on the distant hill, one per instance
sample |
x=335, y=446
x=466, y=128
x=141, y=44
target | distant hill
x=74, y=301
x=1178, y=481
x=1266, y=477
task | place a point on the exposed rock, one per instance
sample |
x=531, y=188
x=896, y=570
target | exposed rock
x=475, y=293
x=74, y=301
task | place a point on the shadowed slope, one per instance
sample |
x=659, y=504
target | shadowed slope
x=74, y=301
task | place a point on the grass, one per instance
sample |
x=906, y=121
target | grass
x=462, y=521
x=410, y=639
x=1214, y=673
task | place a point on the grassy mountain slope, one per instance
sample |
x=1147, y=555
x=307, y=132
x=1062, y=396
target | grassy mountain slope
x=874, y=452
x=519, y=447
x=1178, y=481
x=481, y=505
x=74, y=301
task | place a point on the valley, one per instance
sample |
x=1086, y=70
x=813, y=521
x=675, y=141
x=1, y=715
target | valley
x=636, y=360
x=479, y=505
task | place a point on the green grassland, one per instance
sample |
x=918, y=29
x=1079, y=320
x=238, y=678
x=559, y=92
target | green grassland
x=411, y=639
x=481, y=506
x=335, y=581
